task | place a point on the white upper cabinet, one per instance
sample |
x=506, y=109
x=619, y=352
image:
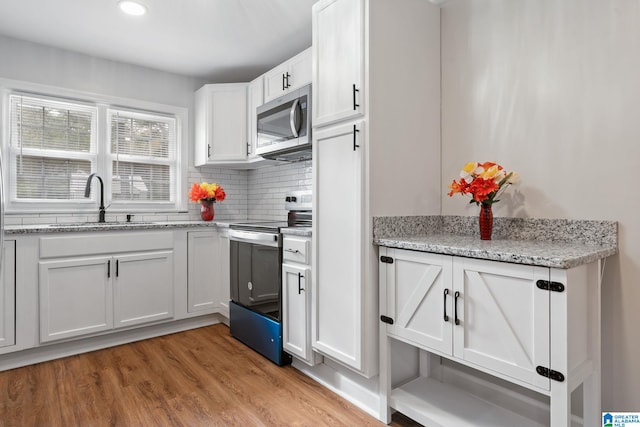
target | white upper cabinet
x=255, y=98
x=288, y=76
x=220, y=124
x=338, y=73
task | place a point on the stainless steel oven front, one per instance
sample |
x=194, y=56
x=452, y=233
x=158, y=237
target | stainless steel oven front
x=256, y=270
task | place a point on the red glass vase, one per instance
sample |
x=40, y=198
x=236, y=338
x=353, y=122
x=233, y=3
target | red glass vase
x=206, y=209
x=485, y=221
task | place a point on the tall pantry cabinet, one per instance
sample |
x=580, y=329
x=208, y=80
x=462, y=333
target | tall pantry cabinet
x=376, y=152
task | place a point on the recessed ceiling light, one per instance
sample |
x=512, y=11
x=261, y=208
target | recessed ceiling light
x=132, y=8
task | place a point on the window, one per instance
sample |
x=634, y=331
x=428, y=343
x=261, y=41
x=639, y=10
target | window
x=142, y=157
x=56, y=143
x=53, y=149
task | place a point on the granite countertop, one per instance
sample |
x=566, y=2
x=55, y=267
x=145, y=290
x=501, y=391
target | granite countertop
x=547, y=243
x=111, y=226
x=296, y=231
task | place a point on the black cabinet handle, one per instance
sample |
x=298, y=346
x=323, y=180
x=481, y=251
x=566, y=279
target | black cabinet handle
x=283, y=83
x=355, y=131
x=248, y=148
x=208, y=150
x=446, y=292
x=300, y=288
x=287, y=77
x=108, y=269
x=455, y=307
x=117, y=267
x=354, y=97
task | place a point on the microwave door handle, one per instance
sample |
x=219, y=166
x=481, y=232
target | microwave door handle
x=293, y=118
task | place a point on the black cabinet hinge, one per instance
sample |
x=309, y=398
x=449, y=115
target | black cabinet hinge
x=550, y=373
x=550, y=286
x=386, y=259
x=386, y=319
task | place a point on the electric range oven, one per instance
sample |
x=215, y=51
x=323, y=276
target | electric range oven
x=256, y=278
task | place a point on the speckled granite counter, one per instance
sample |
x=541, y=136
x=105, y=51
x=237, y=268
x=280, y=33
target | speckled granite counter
x=541, y=242
x=111, y=226
x=296, y=231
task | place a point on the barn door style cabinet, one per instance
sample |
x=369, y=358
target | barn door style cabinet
x=533, y=328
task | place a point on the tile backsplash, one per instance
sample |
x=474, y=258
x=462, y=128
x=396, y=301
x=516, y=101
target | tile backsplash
x=267, y=187
x=251, y=194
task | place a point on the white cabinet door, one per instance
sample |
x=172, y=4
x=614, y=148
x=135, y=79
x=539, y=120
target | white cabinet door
x=296, y=298
x=419, y=299
x=288, y=76
x=8, y=295
x=220, y=123
x=76, y=297
x=224, y=272
x=503, y=316
x=255, y=98
x=275, y=82
x=339, y=239
x=338, y=50
x=143, y=288
x=203, y=271
x=300, y=70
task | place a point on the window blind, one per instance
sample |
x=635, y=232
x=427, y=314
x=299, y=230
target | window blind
x=53, y=148
x=143, y=152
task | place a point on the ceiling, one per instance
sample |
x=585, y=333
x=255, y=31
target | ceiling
x=217, y=40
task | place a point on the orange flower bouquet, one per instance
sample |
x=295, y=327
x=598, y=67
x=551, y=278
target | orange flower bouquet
x=205, y=191
x=484, y=182
x=206, y=194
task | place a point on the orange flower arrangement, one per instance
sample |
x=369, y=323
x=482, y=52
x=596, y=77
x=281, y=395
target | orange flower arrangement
x=483, y=181
x=205, y=191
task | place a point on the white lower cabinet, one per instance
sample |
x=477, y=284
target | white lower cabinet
x=8, y=295
x=224, y=272
x=493, y=317
x=202, y=286
x=76, y=297
x=208, y=272
x=82, y=295
x=296, y=299
x=143, y=288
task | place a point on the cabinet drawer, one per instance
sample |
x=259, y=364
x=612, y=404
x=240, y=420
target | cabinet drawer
x=296, y=250
x=104, y=243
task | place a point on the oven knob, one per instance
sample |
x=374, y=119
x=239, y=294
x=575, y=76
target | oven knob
x=250, y=286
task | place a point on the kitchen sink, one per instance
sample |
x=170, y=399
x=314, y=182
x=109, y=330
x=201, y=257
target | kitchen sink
x=97, y=224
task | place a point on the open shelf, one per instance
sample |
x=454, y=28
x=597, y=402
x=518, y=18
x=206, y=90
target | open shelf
x=433, y=403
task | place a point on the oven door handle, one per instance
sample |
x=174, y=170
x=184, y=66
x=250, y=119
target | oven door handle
x=258, y=238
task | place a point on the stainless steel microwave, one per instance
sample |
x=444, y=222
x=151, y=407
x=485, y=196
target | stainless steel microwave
x=284, y=127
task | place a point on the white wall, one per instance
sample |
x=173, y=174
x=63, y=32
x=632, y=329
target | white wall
x=35, y=63
x=551, y=89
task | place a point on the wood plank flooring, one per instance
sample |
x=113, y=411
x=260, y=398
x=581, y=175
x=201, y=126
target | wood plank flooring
x=202, y=377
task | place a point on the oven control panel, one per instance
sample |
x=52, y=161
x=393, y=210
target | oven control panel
x=298, y=201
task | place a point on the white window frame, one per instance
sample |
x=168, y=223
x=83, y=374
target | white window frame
x=102, y=165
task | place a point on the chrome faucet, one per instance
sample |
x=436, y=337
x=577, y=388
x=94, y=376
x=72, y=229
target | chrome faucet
x=87, y=193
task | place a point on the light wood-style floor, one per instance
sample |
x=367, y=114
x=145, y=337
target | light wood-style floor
x=202, y=377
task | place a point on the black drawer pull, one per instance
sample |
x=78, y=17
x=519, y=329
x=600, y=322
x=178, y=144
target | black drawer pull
x=446, y=292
